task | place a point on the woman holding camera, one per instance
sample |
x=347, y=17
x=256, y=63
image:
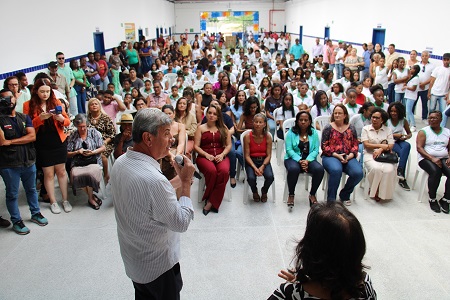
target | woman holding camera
x=49, y=119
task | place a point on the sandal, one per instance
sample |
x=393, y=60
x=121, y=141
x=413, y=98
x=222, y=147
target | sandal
x=93, y=206
x=290, y=202
x=256, y=197
x=98, y=200
x=312, y=200
x=264, y=197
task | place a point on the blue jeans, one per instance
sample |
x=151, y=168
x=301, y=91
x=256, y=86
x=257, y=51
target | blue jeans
x=281, y=52
x=335, y=168
x=11, y=178
x=251, y=176
x=240, y=155
x=81, y=99
x=402, y=148
x=294, y=169
x=391, y=92
x=361, y=154
x=232, y=156
x=272, y=126
x=409, y=111
x=339, y=69
x=331, y=67
x=438, y=103
x=399, y=97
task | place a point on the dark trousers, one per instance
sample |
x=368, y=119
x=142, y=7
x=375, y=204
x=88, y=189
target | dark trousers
x=251, y=176
x=423, y=95
x=391, y=92
x=435, y=173
x=294, y=169
x=165, y=287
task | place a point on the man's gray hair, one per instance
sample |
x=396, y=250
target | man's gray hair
x=79, y=119
x=148, y=120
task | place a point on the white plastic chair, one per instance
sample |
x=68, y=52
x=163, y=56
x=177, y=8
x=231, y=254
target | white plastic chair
x=422, y=183
x=287, y=124
x=323, y=121
x=246, y=186
x=202, y=186
x=197, y=86
x=171, y=77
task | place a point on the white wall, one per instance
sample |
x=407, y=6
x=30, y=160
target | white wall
x=408, y=25
x=188, y=14
x=31, y=36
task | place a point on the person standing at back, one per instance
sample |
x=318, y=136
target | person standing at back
x=149, y=216
x=297, y=50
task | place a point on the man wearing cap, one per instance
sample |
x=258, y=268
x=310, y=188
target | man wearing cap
x=58, y=79
x=124, y=139
x=297, y=50
x=439, y=87
x=185, y=49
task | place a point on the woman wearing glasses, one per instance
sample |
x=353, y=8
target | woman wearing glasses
x=85, y=147
x=378, y=138
x=339, y=152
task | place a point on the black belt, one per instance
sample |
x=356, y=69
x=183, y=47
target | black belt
x=259, y=158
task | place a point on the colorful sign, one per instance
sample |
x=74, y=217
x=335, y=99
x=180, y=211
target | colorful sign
x=130, y=32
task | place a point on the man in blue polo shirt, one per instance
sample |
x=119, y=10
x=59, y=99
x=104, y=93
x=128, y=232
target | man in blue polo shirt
x=297, y=50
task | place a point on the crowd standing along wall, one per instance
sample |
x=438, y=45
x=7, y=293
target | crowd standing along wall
x=408, y=25
x=32, y=32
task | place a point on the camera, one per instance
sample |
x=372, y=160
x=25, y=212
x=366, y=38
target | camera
x=6, y=106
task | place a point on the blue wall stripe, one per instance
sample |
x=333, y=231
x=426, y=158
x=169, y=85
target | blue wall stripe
x=39, y=67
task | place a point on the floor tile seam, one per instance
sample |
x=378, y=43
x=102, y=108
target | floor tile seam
x=9, y=254
x=418, y=260
x=278, y=238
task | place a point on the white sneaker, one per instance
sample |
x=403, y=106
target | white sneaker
x=348, y=202
x=55, y=208
x=413, y=128
x=66, y=206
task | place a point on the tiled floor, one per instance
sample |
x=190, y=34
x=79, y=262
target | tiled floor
x=235, y=254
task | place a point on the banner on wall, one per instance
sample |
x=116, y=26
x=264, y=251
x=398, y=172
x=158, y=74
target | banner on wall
x=130, y=32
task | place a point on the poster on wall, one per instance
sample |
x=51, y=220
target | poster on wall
x=130, y=32
x=229, y=22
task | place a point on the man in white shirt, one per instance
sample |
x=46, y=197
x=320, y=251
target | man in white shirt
x=149, y=216
x=282, y=44
x=317, y=50
x=426, y=68
x=340, y=53
x=439, y=87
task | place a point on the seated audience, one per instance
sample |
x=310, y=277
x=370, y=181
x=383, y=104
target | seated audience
x=212, y=144
x=111, y=105
x=99, y=120
x=124, y=139
x=377, y=138
x=287, y=111
x=184, y=116
x=339, y=153
x=257, y=153
x=399, y=126
x=302, y=149
x=432, y=155
x=84, y=147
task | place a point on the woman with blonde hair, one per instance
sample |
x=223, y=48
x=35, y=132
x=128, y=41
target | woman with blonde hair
x=98, y=119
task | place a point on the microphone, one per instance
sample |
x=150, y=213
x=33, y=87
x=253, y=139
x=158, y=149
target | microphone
x=180, y=161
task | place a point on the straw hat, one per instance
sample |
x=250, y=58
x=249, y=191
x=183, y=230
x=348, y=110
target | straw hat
x=125, y=119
